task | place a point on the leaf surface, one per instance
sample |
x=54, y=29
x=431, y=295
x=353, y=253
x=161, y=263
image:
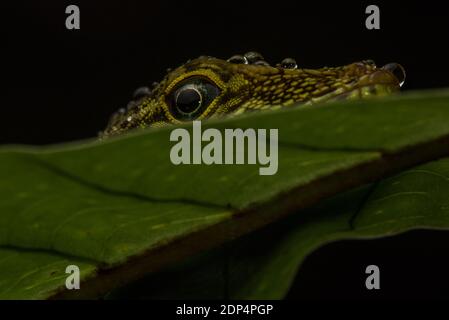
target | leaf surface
x=124, y=207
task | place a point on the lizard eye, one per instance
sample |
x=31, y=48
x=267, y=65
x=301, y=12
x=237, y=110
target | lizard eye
x=191, y=97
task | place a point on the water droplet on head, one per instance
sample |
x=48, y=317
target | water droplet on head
x=253, y=57
x=121, y=111
x=370, y=62
x=397, y=70
x=239, y=59
x=261, y=63
x=131, y=105
x=289, y=63
x=141, y=92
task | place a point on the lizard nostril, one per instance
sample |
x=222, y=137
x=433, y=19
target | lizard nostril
x=397, y=70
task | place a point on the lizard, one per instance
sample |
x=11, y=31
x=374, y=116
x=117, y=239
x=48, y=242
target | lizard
x=209, y=87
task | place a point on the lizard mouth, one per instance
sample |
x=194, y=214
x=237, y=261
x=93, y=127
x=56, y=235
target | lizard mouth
x=382, y=81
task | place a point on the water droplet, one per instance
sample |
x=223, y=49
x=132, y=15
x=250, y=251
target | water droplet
x=289, y=63
x=131, y=105
x=253, y=57
x=370, y=62
x=239, y=59
x=141, y=92
x=261, y=63
x=397, y=70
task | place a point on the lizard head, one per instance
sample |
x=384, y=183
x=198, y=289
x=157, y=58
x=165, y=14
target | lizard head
x=208, y=87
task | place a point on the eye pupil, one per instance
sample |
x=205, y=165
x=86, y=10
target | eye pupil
x=188, y=100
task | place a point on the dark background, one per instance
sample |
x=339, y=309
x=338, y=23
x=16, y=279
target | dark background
x=61, y=85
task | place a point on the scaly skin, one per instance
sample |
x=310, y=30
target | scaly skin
x=247, y=83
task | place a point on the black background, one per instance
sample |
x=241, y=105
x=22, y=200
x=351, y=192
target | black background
x=61, y=85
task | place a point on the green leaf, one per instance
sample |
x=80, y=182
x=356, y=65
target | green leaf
x=123, y=206
x=414, y=199
x=26, y=274
x=263, y=264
